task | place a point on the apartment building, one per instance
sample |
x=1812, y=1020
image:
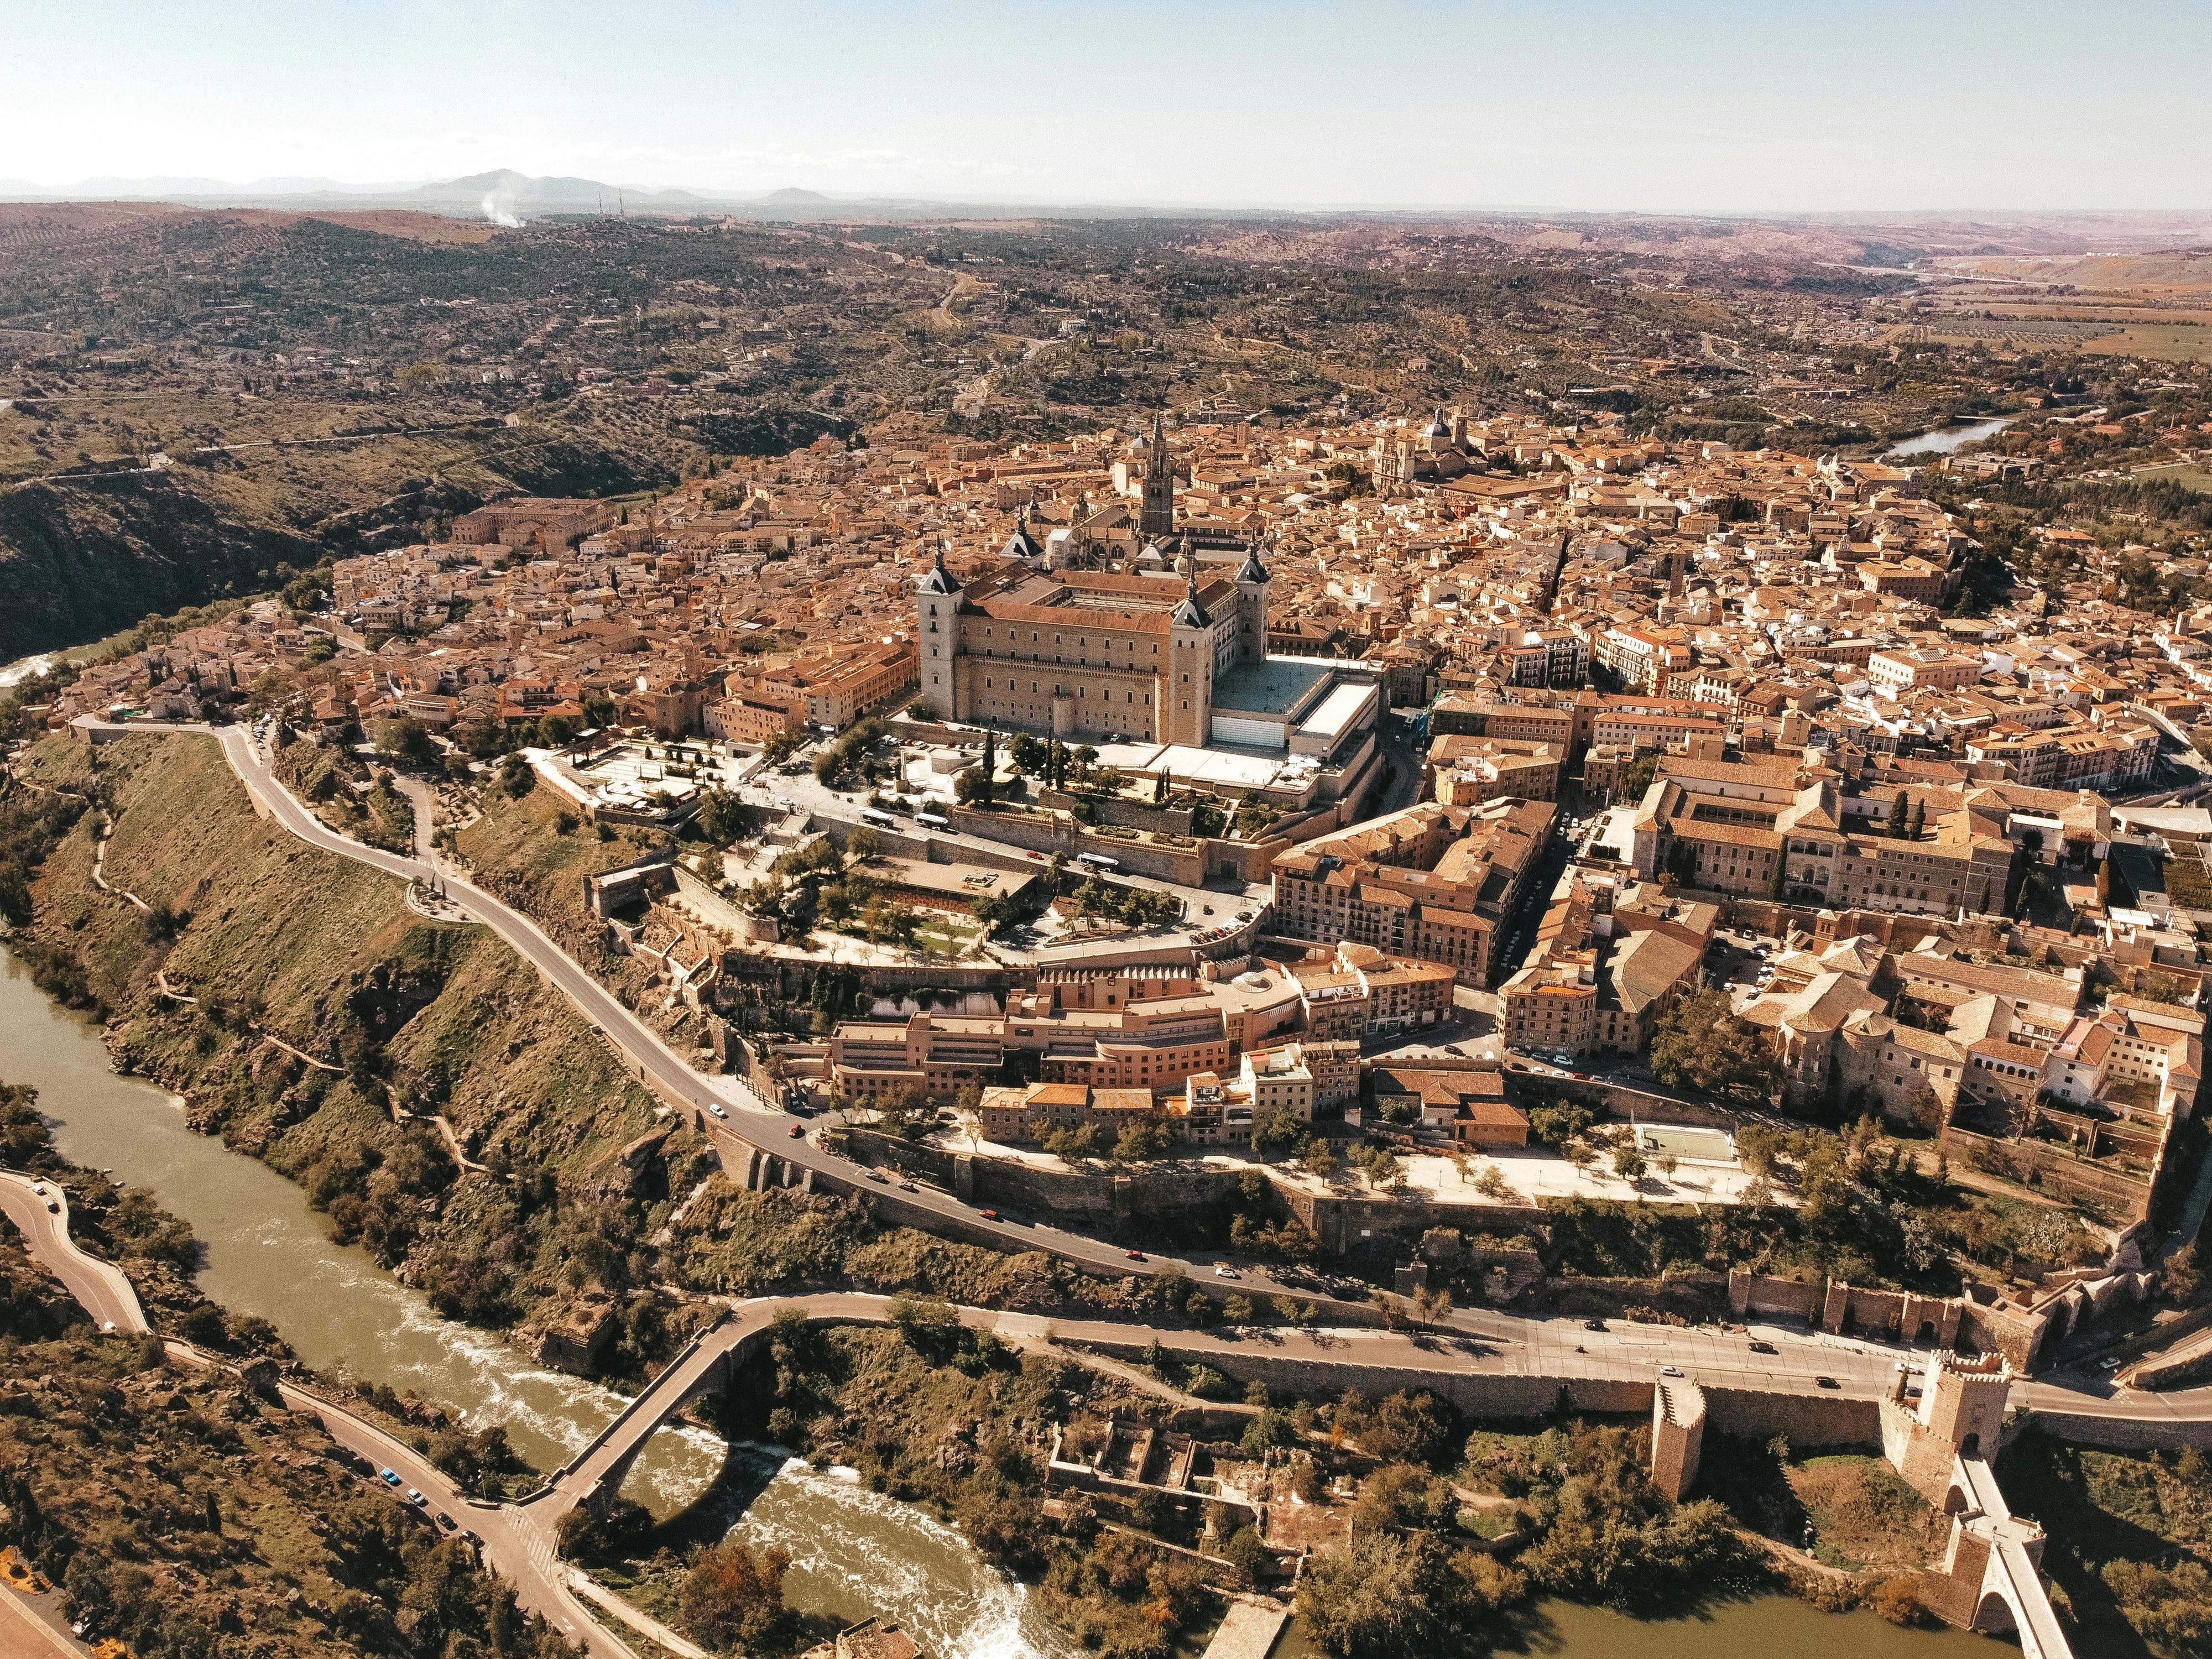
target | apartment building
x=1897, y=672
x=1469, y=770
x=1358, y=991
x=1604, y=972
x=1430, y=882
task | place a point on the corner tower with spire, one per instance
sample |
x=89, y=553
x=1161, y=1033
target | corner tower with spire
x=936, y=629
x=1252, y=582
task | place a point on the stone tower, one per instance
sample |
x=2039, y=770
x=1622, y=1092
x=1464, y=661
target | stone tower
x=1252, y=582
x=937, y=629
x=1188, y=715
x=1156, y=519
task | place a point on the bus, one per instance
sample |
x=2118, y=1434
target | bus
x=878, y=817
x=1098, y=860
x=932, y=820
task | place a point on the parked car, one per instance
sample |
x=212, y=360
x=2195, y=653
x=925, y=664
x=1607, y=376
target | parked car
x=389, y=1477
x=879, y=1178
x=1134, y=1255
x=417, y=1500
x=1762, y=1347
x=1593, y=1324
x=1670, y=1371
x=1828, y=1382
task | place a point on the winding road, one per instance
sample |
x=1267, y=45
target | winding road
x=41, y=1210
x=1494, y=1341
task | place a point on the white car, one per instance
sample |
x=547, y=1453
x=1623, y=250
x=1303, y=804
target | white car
x=716, y=1109
x=1670, y=1371
x=1223, y=1270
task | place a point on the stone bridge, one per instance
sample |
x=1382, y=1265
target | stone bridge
x=595, y=1476
x=2006, y=1593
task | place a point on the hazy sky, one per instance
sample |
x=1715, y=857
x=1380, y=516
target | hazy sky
x=1774, y=106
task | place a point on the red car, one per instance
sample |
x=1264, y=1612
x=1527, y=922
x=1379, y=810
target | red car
x=797, y=1132
x=988, y=1215
x=1134, y=1255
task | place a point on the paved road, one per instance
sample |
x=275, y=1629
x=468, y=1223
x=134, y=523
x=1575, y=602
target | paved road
x=511, y=1543
x=1537, y=1347
x=102, y=1289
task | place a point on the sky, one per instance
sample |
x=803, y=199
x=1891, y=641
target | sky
x=1781, y=107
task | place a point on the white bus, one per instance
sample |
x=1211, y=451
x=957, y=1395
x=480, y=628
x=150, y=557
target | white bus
x=932, y=820
x=878, y=816
x=1098, y=860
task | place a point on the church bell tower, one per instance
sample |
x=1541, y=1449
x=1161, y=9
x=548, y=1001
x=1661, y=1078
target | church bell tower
x=1158, y=519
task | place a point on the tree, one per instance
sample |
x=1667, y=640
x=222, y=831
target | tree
x=1245, y=1552
x=732, y=1597
x=1628, y=1164
x=1143, y=1138
x=1026, y=755
x=929, y=1324
x=1701, y=1045
x=407, y=741
x=1900, y=817
x=990, y=767
x=1392, y=1597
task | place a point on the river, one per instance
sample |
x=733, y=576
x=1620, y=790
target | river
x=1944, y=440
x=855, y=1551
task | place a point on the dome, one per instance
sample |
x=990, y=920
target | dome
x=1435, y=428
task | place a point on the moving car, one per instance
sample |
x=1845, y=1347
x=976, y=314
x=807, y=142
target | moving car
x=796, y=1132
x=1593, y=1324
x=715, y=1107
x=1762, y=1347
x=1223, y=1270
x=1134, y=1255
x=988, y=1215
x=1828, y=1382
x=1670, y=1371
x=388, y=1476
x=879, y=1178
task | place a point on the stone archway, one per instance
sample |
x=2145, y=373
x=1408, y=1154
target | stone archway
x=1926, y=1333
x=1994, y=1613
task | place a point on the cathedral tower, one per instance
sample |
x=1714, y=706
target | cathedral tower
x=1157, y=519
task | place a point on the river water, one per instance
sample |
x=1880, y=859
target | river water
x=1944, y=440
x=855, y=1551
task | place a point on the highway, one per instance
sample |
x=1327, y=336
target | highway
x=100, y=1288
x=1506, y=1341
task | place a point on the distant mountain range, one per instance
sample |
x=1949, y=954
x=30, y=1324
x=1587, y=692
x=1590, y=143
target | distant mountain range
x=503, y=196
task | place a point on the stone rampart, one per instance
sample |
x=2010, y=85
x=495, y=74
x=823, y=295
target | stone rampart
x=1484, y=1395
x=1809, y=1419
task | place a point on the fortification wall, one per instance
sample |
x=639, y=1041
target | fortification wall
x=1809, y=1419
x=1487, y=1396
